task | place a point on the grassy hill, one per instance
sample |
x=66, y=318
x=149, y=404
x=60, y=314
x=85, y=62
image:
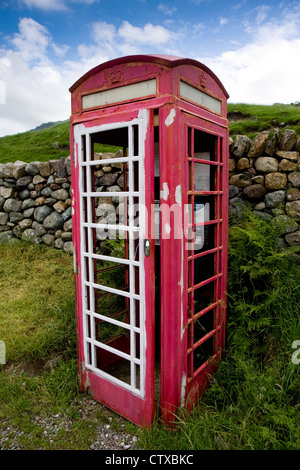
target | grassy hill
x=247, y=119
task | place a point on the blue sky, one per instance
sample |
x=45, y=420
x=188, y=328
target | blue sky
x=46, y=45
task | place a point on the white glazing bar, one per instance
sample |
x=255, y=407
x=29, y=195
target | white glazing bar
x=112, y=290
x=84, y=243
x=113, y=259
x=111, y=226
x=90, y=240
x=115, y=351
x=110, y=194
x=131, y=251
x=110, y=160
x=116, y=381
x=141, y=179
x=113, y=321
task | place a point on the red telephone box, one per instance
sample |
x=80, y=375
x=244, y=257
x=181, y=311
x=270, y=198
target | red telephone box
x=151, y=275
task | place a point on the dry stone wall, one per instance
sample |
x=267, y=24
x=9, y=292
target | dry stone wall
x=265, y=171
x=35, y=200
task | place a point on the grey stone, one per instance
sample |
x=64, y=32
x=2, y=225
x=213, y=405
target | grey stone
x=61, y=168
x=263, y=215
x=68, y=225
x=44, y=169
x=30, y=235
x=260, y=206
x=240, y=180
x=233, y=191
x=271, y=145
x=41, y=213
x=60, y=194
x=32, y=168
x=24, y=194
x=25, y=223
x=59, y=244
x=294, y=178
x=288, y=139
x=68, y=165
x=293, y=239
x=6, y=193
x=258, y=144
x=275, y=198
x=288, y=155
x=2, y=200
x=3, y=218
x=18, y=169
x=66, y=236
x=293, y=194
x=275, y=180
x=37, y=179
x=48, y=239
x=28, y=213
x=39, y=229
x=12, y=205
x=6, y=170
x=108, y=179
x=240, y=146
x=67, y=213
x=6, y=236
x=28, y=203
x=68, y=247
x=266, y=164
x=15, y=217
x=24, y=181
x=54, y=221
x=285, y=224
x=293, y=208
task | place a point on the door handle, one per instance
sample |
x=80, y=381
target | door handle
x=147, y=247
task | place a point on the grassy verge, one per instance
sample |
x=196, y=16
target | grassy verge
x=253, y=402
x=41, y=406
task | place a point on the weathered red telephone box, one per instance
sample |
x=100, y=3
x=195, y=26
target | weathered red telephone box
x=150, y=277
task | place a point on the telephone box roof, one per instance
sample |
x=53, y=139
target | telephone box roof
x=164, y=60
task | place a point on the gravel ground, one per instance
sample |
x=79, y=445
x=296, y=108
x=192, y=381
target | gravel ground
x=110, y=436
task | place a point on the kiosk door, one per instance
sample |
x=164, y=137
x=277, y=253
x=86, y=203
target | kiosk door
x=206, y=253
x=115, y=263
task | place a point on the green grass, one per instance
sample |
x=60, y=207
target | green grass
x=253, y=401
x=37, y=324
x=38, y=145
x=250, y=119
x=244, y=119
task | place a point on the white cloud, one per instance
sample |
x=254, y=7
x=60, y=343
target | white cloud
x=55, y=5
x=149, y=34
x=167, y=9
x=222, y=21
x=32, y=39
x=46, y=4
x=265, y=70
